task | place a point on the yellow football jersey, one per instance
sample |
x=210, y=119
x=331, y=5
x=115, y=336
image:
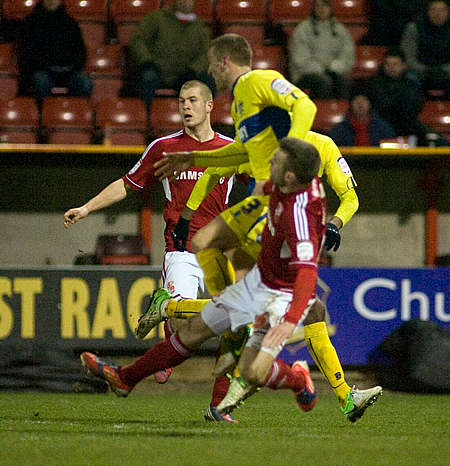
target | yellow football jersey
x=266, y=108
x=333, y=165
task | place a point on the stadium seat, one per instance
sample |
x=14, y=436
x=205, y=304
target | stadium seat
x=254, y=33
x=19, y=120
x=368, y=60
x=18, y=9
x=125, y=32
x=269, y=57
x=329, y=112
x=351, y=11
x=87, y=10
x=124, y=118
x=8, y=71
x=241, y=11
x=93, y=32
x=121, y=250
x=104, y=60
x=436, y=115
x=132, y=10
x=104, y=68
x=68, y=120
x=7, y=59
x=221, y=113
x=289, y=11
x=164, y=116
x=357, y=31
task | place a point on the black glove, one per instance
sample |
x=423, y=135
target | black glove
x=332, y=237
x=180, y=234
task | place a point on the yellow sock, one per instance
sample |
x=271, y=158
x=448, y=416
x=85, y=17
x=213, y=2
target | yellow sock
x=326, y=358
x=218, y=270
x=185, y=308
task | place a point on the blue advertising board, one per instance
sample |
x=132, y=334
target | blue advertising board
x=366, y=305
x=96, y=308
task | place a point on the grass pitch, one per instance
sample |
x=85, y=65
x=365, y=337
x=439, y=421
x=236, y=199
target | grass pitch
x=102, y=430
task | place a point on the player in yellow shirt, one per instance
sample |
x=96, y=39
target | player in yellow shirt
x=266, y=108
x=245, y=222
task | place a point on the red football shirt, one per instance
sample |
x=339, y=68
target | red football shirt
x=293, y=234
x=177, y=192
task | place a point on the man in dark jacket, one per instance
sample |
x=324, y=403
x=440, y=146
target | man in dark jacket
x=426, y=45
x=52, y=52
x=397, y=97
x=169, y=48
x=362, y=126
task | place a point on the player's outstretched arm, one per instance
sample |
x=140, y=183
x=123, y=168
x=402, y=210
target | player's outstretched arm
x=113, y=193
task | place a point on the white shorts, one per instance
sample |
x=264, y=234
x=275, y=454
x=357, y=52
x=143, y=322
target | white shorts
x=182, y=275
x=243, y=301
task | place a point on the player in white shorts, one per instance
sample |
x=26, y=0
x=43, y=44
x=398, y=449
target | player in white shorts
x=181, y=274
x=279, y=287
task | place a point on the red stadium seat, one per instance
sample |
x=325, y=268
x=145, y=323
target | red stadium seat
x=241, y=11
x=87, y=10
x=254, y=33
x=19, y=120
x=18, y=9
x=132, y=10
x=165, y=117
x=269, y=57
x=7, y=59
x=8, y=71
x=357, y=31
x=350, y=11
x=104, y=60
x=289, y=11
x=104, y=68
x=93, y=33
x=68, y=120
x=125, y=32
x=222, y=109
x=121, y=249
x=368, y=60
x=125, y=118
x=329, y=112
x=436, y=114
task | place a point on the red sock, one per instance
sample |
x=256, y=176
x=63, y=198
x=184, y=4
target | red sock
x=220, y=387
x=166, y=353
x=282, y=376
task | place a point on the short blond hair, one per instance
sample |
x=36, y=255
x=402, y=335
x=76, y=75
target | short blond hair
x=234, y=46
x=205, y=91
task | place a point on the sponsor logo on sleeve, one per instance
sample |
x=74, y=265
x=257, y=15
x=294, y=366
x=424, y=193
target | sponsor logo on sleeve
x=281, y=86
x=344, y=166
x=305, y=250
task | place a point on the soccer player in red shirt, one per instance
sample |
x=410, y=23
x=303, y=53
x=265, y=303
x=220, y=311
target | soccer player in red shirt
x=275, y=295
x=181, y=274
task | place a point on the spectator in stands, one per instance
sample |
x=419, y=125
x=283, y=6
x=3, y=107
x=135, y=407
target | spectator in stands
x=396, y=95
x=426, y=45
x=362, y=126
x=169, y=48
x=388, y=18
x=52, y=52
x=322, y=54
